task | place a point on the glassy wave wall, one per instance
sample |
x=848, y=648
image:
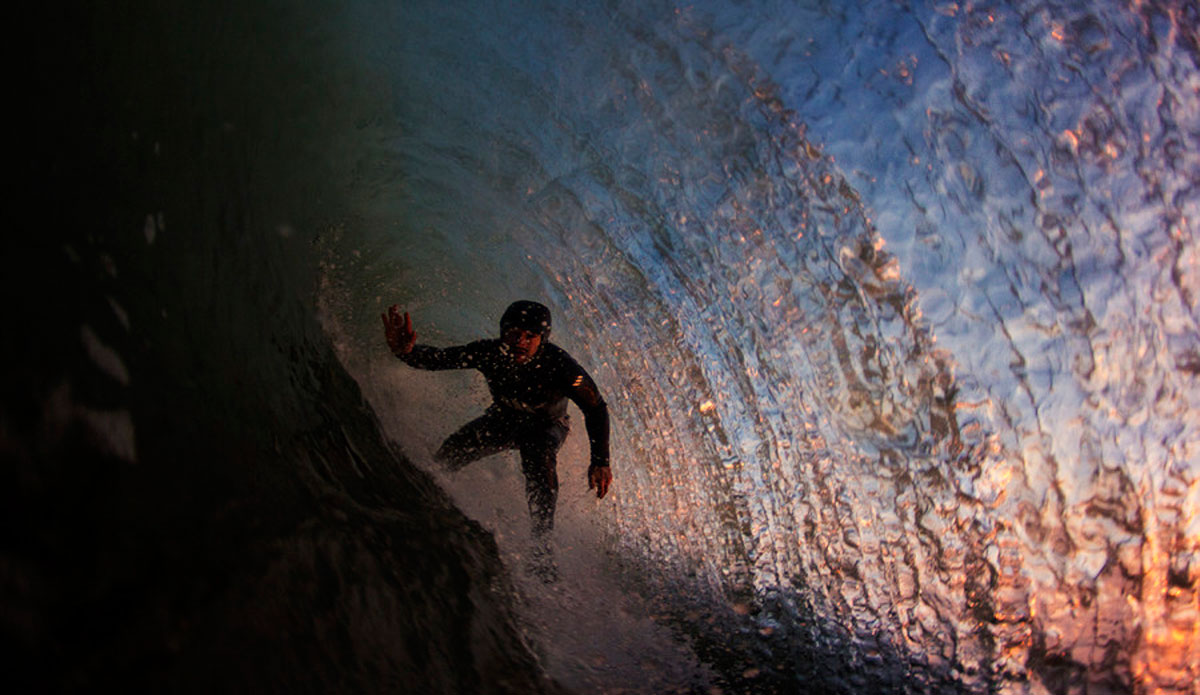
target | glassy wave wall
x=894, y=305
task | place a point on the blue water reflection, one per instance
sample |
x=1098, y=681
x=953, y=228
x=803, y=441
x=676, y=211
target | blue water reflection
x=896, y=305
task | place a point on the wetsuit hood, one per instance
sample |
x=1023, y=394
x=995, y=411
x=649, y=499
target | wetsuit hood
x=528, y=316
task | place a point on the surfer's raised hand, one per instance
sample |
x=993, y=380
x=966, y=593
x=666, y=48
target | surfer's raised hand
x=599, y=478
x=398, y=331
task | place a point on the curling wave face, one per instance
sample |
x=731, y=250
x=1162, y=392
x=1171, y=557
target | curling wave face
x=895, y=307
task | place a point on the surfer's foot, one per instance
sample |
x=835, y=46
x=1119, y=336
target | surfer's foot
x=541, y=565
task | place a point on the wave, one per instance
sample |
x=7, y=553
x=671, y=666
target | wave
x=894, y=308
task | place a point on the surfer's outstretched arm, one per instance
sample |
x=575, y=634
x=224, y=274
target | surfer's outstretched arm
x=402, y=341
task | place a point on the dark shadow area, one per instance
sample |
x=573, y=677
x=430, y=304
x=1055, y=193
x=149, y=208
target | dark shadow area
x=195, y=496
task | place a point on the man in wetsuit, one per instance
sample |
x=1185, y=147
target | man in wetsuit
x=530, y=380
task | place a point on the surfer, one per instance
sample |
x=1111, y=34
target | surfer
x=530, y=380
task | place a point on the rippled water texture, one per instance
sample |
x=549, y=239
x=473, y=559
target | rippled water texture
x=894, y=304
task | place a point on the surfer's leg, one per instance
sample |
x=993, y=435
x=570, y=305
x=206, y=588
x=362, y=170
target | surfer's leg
x=483, y=436
x=539, y=462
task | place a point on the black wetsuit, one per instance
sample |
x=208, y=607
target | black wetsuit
x=528, y=413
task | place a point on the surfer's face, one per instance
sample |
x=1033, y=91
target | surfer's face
x=522, y=344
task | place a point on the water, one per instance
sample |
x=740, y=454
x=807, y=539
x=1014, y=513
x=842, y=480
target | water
x=894, y=306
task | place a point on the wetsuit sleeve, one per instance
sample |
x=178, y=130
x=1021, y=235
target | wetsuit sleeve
x=457, y=357
x=584, y=393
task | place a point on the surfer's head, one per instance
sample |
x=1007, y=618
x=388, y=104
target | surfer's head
x=523, y=327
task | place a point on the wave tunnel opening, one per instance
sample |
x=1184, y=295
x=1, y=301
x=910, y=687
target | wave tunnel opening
x=894, y=307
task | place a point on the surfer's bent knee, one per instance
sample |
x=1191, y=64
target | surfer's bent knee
x=450, y=458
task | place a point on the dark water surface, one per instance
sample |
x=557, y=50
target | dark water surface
x=894, y=305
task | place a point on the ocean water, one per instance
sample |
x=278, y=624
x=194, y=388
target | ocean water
x=894, y=305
